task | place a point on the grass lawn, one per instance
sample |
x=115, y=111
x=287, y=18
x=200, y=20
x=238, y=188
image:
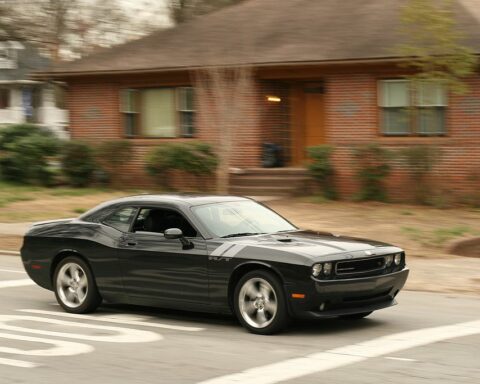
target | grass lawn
x=20, y=203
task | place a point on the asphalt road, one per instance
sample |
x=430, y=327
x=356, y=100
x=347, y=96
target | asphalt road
x=427, y=338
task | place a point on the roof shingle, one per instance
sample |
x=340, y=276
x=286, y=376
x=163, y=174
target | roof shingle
x=270, y=32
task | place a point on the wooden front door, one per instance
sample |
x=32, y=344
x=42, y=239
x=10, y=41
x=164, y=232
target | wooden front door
x=308, y=120
x=314, y=116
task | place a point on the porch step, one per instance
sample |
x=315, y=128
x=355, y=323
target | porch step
x=273, y=181
x=270, y=182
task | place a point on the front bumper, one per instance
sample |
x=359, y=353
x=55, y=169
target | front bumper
x=331, y=298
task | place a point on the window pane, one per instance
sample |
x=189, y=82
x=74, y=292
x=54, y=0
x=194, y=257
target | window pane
x=129, y=100
x=120, y=219
x=4, y=98
x=396, y=121
x=130, y=124
x=431, y=94
x=431, y=121
x=186, y=99
x=395, y=93
x=187, y=125
x=60, y=96
x=158, y=112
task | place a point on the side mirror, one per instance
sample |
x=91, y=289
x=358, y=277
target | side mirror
x=173, y=233
x=176, y=233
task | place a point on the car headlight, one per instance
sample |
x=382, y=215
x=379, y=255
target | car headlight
x=398, y=259
x=317, y=269
x=388, y=260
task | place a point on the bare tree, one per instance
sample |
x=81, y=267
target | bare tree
x=226, y=100
x=68, y=29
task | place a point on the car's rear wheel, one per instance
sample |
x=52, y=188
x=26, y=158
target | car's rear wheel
x=260, y=303
x=75, y=287
x=356, y=316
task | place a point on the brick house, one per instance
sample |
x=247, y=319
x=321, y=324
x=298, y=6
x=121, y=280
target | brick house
x=324, y=73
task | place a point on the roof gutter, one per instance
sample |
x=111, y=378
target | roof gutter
x=59, y=75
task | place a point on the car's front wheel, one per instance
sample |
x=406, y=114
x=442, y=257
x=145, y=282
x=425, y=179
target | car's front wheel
x=260, y=303
x=75, y=287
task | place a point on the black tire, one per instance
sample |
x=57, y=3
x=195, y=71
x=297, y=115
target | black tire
x=356, y=316
x=91, y=300
x=275, y=323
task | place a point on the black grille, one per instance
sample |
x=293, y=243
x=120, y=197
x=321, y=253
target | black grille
x=352, y=267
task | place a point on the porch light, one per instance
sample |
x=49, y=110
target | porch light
x=274, y=99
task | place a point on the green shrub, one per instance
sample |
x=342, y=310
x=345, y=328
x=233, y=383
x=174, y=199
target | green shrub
x=25, y=152
x=321, y=169
x=112, y=156
x=78, y=163
x=195, y=158
x=373, y=166
x=420, y=160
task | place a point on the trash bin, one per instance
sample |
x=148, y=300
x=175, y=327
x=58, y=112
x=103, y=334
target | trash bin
x=271, y=155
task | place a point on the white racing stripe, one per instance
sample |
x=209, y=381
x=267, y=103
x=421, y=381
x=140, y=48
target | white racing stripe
x=111, y=319
x=222, y=248
x=234, y=250
x=15, y=283
x=339, y=357
x=227, y=250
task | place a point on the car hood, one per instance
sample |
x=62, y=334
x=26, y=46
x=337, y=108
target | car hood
x=316, y=245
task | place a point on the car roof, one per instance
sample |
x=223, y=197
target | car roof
x=180, y=199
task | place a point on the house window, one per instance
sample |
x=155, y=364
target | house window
x=186, y=111
x=60, y=96
x=129, y=104
x=4, y=98
x=158, y=112
x=409, y=111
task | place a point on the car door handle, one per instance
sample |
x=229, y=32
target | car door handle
x=131, y=243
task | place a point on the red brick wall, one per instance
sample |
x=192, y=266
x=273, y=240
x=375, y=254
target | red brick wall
x=95, y=117
x=353, y=119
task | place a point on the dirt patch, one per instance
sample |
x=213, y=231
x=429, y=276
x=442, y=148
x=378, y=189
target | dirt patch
x=468, y=248
x=423, y=232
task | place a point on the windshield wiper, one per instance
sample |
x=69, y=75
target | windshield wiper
x=242, y=234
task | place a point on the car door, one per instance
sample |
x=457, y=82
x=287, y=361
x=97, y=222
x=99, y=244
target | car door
x=161, y=270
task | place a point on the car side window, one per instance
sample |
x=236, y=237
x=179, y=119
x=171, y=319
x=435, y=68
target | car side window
x=158, y=220
x=120, y=219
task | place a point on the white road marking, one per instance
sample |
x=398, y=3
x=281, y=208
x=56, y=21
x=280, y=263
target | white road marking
x=61, y=348
x=18, y=363
x=350, y=354
x=114, y=319
x=15, y=283
x=399, y=358
x=13, y=271
x=123, y=335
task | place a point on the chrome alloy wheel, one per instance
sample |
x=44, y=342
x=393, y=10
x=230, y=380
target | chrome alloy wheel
x=257, y=302
x=72, y=285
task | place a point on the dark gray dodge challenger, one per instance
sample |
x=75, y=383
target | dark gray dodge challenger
x=218, y=254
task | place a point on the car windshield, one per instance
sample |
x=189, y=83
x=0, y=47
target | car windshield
x=240, y=218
